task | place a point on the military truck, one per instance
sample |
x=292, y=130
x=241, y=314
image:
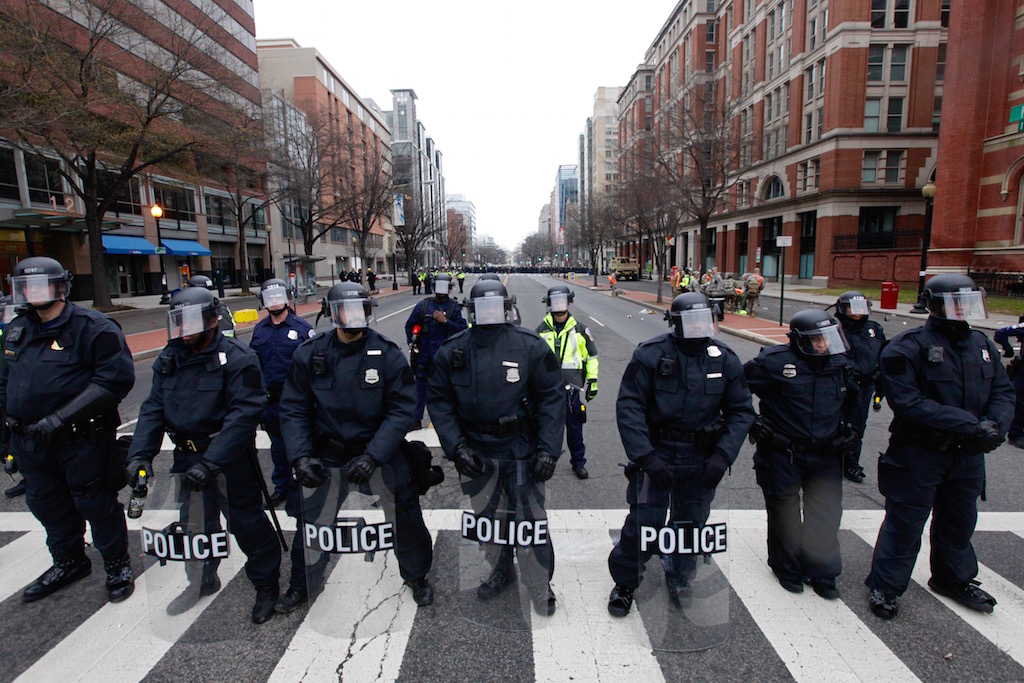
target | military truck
x=624, y=268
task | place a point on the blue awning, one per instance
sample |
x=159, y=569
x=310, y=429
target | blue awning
x=126, y=244
x=186, y=248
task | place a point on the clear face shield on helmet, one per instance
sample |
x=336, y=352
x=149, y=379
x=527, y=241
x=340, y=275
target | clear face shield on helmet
x=696, y=323
x=8, y=313
x=966, y=305
x=185, y=321
x=855, y=306
x=489, y=310
x=350, y=314
x=558, y=302
x=274, y=297
x=823, y=341
x=35, y=289
x=441, y=286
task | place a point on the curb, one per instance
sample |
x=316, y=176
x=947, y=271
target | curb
x=734, y=331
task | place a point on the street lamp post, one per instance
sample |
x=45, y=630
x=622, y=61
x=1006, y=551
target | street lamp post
x=160, y=251
x=929, y=196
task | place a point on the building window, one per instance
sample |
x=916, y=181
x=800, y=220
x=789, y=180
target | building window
x=821, y=77
x=876, y=220
x=901, y=14
x=869, y=170
x=872, y=114
x=809, y=174
x=44, y=180
x=711, y=32
x=808, y=234
x=8, y=175
x=810, y=83
x=892, y=166
x=878, y=13
x=178, y=203
x=126, y=199
x=881, y=18
x=940, y=64
x=876, y=61
x=821, y=121
x=894, y=120
x=809, y=128
x=220, y=211
x=898, y=63
x=812, y=34
x=709, y=61
x=944, y=20
x=772, y=188
x=936, y=112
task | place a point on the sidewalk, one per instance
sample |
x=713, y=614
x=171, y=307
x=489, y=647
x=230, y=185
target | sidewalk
x=145, y=345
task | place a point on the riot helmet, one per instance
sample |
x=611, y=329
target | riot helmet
x=490, y=276
x=852, y=303
x=692, y=317
x=813, y=332
x=953, y=296
x=192, y=311
x=442, y=284
x=274, y=295
x=199, y=281
x=558, y=298
x=350, y=306
x=489, y=303
x=39, y=281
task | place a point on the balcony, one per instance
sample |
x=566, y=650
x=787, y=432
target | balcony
x=898, y=240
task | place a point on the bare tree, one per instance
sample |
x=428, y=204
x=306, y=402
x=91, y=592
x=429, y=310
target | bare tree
x=455, y=241
x=646, y=208
x=364, y=191
x=492, y=254
x=534, y=248
x=592, y=229
x=78, y=84
x=420, y=226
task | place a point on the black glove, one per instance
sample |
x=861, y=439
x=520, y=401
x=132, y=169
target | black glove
x=466, y=462
x=361, y=469
x=200, y=475
x=714, y=469
x=543, y=466
x=658, y=472
x=131, y=470
x=591, y=390
x=986, y=435
x=759, y=432
x=310, y=472
x=1008, y=352
x=44, y=430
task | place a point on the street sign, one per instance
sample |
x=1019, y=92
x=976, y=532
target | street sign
x=161, y=250
x=757, y=255
x=670, y=240
x=784, y=241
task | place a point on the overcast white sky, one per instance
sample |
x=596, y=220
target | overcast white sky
x=504, y=89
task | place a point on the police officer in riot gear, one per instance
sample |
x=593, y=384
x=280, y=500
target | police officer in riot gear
x=348, y=401
x=64, y=369
x=577, y=354
x=866, y=339
x=951, y=404
x=437, y=318
x=275, y=339
x=226, y=323
x=208, y=396
x=679, y=449
x=496, y=391
x=807, y=397
x=7, y=313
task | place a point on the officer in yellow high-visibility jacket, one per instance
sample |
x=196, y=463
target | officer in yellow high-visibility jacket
x=577, y=352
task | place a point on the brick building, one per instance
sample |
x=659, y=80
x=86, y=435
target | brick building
x=979, y=205
x=834, y=108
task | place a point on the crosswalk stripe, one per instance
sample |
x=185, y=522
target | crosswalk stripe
x=580, y=640
x=22, y=561
x=1004, y=627
x=816, y=639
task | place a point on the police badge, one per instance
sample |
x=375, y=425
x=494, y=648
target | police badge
x=789, y=371
x=372, y=376
x=512, y=375
x=985, y=356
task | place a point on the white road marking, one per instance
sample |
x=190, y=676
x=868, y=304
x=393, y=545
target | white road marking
x=596, y=320
x=403, y=310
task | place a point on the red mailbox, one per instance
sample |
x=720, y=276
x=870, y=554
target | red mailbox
x=890, y=295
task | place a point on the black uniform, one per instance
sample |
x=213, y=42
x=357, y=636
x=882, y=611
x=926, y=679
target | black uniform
x=866, y=339
x=803, y=400
x=343, y=400
x=44, y=366
x=497, y=389
x=939, y=389
x=210, y=404
x=681, y=401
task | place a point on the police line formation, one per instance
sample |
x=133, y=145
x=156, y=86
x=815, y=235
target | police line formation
x=338, y=405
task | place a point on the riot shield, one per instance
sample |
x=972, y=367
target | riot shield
x=187, y=554
x=683, y=596
x=506, y=557
x=349, y=536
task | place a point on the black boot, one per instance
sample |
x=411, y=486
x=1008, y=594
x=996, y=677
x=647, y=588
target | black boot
x=680, y=594
x=422, y=592
x=120, y=579
x=854, y=473
x=65, y=570
x=291, y=600
x=883, y=605
x=544, y=602
x=16, y=490
x=208, y=585
x=620, y=601
x=266, y=597
x=500, y=578
x=968, y=595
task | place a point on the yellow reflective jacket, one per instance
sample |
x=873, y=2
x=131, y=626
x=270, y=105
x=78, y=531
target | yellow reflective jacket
x=574, y=347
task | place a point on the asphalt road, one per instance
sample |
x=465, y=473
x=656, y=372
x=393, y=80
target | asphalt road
x=40, y=639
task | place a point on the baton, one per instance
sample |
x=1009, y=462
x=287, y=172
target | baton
x=255, y=460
